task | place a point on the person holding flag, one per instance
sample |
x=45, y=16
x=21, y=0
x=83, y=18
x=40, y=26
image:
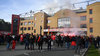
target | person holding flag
x=40, y=42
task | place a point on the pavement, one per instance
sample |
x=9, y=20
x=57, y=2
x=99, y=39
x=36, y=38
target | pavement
x=55, y=51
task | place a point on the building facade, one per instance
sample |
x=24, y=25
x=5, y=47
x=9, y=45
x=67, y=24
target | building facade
x=65, y=20
x=35, y=24
x=93, y=19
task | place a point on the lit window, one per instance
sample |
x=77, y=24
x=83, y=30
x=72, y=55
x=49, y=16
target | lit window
x=83, y=26
x=83, y=18
x=29, y=23
x=49, y=21
x=28, y=28
x=91, y=20
x=90, y=11
x=25, y=23
x=91, y=30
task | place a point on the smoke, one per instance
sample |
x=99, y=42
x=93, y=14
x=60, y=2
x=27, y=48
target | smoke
x=56, y=5
x=74, y=25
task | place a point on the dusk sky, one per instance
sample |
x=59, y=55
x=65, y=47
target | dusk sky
x=9, y=7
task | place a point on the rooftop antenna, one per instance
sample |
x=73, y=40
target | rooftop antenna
x=31, y=11
x=51, y=11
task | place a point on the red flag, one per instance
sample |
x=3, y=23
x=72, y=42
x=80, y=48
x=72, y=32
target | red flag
x=39, y=39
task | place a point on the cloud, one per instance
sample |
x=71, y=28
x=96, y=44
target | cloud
x=9, y=7
x=56, y=5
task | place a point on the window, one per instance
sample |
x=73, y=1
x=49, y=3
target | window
x=91, y=20
x=49, y=21
x=34, y=25
x=64, y=22
x=25, y=23
x=25, y=28
x=29, y=23
x=15, y=20
x=90, y=11
x=21, y=23
x=83, y=26
x=91, y=30
x=34, y=30
x=83, y=18
x=28, y=28
x=21, y=28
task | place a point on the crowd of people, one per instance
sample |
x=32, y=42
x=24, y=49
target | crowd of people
x=29, y=40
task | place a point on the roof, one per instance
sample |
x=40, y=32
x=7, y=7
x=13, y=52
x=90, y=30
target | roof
x=80, y=11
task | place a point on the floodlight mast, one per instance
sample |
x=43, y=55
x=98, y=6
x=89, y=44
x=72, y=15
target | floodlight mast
x=32, y=12
x=83, y=2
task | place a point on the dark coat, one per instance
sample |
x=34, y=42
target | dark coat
x=8, y=38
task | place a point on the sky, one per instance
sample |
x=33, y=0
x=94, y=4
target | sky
x=9, y=7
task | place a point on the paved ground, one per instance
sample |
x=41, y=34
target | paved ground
x=19, y=51
x=53, y=52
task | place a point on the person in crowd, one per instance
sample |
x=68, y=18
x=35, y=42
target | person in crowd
x=8, y=39
x=45, y=38
x=98, y=41
x=86, y=41
x=26, y=40
x=59, y=40
x=91, y=39
x=56, y=40
x=21, y=39
x=17, y=38
x=32, y=40
x=53, y=39
x=2, y=38
x=95, y=42
x=67, y=41
x=73, y=42
x=37, y=36
x=62, y=40
x=40, y=42
x=49, y=42
x=14, y=38
x=83, y=42
x=78, y=44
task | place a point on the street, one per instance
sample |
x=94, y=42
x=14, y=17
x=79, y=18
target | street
x=20, y=51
